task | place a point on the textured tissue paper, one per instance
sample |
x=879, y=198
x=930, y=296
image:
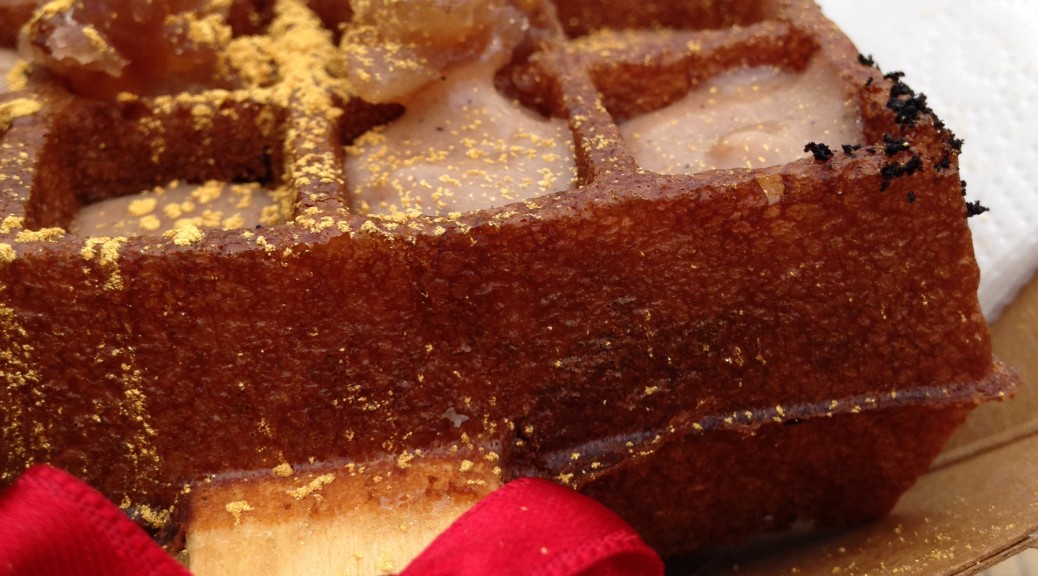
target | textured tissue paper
x=977, y=62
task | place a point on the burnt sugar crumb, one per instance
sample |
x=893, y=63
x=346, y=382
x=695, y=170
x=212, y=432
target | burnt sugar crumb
x=899, y=169
x=909, y=110
x=906, y=104
x=898, y=88
x=975, y=209
x=901, y=89
x=893, y=146
x=956, y=144
x=849, y=149
x=821, y=152
x=868, y=61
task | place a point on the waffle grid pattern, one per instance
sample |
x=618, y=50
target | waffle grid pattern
x=573, y=331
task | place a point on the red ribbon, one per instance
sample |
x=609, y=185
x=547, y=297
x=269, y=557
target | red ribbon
x=53, y=524
x=537, y=528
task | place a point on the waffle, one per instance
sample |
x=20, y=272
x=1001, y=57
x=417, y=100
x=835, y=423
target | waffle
x=714, y=346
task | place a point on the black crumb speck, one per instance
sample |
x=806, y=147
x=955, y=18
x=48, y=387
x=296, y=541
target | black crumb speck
x=901, y=89
x=904, y=101
x=962, y=187
x=956, y=144
x=867, y=60
x=899, y=169
x=892, y=146
x=909, y=109
x=849, y=149
x=911, y=197
x=975, y=209
x=821, y=152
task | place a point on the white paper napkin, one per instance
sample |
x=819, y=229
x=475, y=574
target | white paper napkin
x=977, y=62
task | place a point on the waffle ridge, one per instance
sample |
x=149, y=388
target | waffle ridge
x=712, y=355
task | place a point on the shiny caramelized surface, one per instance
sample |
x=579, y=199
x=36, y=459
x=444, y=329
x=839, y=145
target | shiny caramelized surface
x=626, y=330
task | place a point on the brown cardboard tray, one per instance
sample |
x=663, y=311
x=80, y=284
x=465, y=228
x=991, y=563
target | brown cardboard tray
x=977, y=506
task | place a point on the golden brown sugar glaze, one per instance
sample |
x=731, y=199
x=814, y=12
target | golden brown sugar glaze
x=597, y=335
x=13, y=14
x=390, y=49
x=145, y=48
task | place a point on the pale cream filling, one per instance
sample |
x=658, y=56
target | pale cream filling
x=8, y=59
x=460, y=146
x=211, y=205
x=746, y=118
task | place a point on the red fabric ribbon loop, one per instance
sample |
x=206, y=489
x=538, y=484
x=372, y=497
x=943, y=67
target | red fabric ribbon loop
x=537, y=528
x=53, y=524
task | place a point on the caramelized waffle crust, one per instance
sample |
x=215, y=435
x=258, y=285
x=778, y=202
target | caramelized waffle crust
x=713, y=355
x=13, y=14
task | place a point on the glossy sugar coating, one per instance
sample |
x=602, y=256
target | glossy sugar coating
x=806, y=333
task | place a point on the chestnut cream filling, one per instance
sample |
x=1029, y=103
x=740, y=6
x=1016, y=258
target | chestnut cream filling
x=460, y=146
x=746, y=118
x=211, y=205
x=8, y=59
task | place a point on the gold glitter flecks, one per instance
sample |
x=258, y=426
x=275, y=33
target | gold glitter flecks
x=237, y=508
x=312, y=488
x=41, y=235
x=18, y=77
x=19, y=386
x=155, y=518
x=15, y=109
x=133, y=408
x=210, y=29
x=7, y=253
x=267, y=246
x=185, y=235
x=142, y=206
x=404, y=460
x=252, y=59
x=11, y=223
x=106, y=251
